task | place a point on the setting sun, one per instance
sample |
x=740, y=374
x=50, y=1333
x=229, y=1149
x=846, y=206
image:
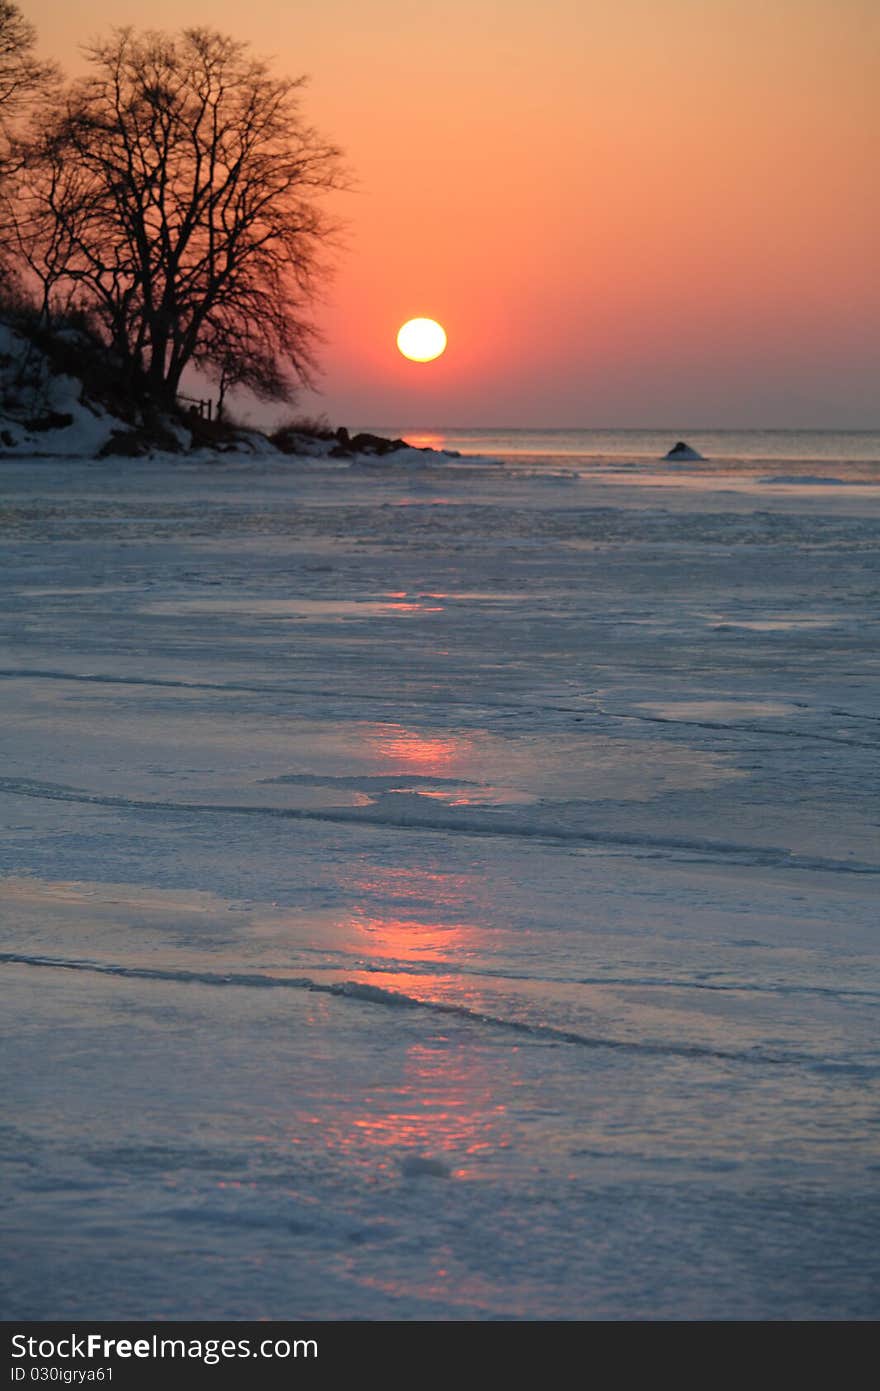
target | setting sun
x=421, y=340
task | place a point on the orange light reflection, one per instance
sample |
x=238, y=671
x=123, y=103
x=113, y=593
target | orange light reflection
x=408, y=886
x=425, y=439
x=408, y=939
x=441, y=1101
x=421, y=753
x=443, y=1106
x=420, y=928
x=412, y=915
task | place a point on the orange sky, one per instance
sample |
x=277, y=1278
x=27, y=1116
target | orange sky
x=652, y=212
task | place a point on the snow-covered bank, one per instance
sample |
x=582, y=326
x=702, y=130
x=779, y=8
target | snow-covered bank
x=43, y=411
x=433, y=892
x=59, y=399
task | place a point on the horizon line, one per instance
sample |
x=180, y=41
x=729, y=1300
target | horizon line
x=651, y=429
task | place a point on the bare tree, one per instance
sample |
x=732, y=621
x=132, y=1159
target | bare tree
x=177, y=191
x=22, y=77
x=40, y=210
x=259, y=336
x=21, y=72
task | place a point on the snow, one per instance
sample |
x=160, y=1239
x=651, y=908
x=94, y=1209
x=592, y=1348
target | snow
x=810, y=479
x=434, y=893
x=90, y=428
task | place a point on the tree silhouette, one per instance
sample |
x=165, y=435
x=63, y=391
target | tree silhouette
x=21, y=72
x=177, y=192
x=22, y=76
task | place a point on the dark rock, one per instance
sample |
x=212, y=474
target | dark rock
x=134, y=444
x=365, y=443
x=682, y=450
x=127, y=444
x=52, y=420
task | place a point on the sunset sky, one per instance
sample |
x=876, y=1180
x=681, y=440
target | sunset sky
x=652, y=212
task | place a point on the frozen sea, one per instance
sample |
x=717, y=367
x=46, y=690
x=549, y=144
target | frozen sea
x=443, y=889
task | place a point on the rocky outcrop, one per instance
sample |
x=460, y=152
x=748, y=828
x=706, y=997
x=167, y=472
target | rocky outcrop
x=363, y=443
x=136, y=444
x=681, y=450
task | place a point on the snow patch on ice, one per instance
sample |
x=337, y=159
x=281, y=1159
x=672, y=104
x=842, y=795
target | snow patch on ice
x=809, y=478
x=719, y=709
x=408, y=456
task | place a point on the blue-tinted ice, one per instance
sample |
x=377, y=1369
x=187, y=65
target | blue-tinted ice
x=437, y=893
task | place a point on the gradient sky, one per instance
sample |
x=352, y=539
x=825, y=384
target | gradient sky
x=651, y=212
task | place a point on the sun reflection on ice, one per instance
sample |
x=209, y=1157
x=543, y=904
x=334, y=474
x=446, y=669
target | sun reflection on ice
x=405, y=939
x=432, y=1113
x=426, y=919
x=414, y=752
x=440, y=1108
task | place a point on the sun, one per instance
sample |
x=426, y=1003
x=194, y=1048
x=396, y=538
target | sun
x=421, y=340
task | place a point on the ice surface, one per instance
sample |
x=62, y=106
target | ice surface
x=434, y=892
